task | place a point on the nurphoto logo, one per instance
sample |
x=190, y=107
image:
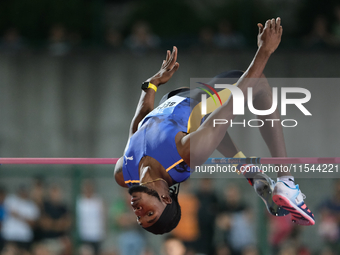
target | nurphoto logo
x=239, y=104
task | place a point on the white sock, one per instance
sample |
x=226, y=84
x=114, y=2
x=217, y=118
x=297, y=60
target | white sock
x=289, y=180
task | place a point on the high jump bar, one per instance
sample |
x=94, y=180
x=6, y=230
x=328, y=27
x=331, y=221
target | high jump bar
x=112, y=161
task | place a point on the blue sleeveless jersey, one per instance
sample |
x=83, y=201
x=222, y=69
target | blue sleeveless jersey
x=155, y=137
x=156, y=133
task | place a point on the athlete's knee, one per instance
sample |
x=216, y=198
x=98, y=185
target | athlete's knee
x=264, y=82
x=261, y=88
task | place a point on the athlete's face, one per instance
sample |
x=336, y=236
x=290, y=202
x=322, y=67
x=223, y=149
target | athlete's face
x=146, y=205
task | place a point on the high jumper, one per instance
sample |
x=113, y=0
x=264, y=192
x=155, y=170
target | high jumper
x=164, y=142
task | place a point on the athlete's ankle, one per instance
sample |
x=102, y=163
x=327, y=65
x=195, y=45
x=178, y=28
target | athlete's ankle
x=248, y=170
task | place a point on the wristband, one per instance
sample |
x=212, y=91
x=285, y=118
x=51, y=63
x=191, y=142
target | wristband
x=151, y=86
x=147, y=85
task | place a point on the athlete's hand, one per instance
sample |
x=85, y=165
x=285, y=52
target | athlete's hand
x=168, y=68
x=269, y=36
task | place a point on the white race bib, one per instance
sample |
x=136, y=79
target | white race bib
x=165, y=108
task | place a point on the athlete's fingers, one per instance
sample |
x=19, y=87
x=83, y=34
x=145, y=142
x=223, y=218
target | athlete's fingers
x=173, y=59
x=280, y=30
x=166, y=59
x=169, y=60
x=272, y=24
x=260, y=26
x=168, y=54
x=267, y=25
x=174, y=68
x=278, y=23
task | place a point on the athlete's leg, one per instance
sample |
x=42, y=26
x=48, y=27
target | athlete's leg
x=196, y=147
x=262, y=100
x=285, y=193
x=233, y=76
x=227, y=147
x=208, y=136
x=272, y=133
x=263, y=184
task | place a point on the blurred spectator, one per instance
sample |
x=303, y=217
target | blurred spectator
x=206, y=216
x=294, y=244
x=288, y=249
x=319, y=37
x=148, y=252
x=142, y=39
x=12, y=41
x=329, y=227
x=294, y=247
x=38, y=191
x=223, y=250
x=12, y=249
x=130, y=238
x=91, y=217
x=250, y=250
x=2, y=213
x=58, y=45
x=114, y=39
x=41, y=249
x=227, y=38
x=232, y=215
x=86, y=249
x=187, y=229
x=281, y=229
x=326, y=251
x=21, y=215
x=242, y=224
x=232, y=202
x=173, y=246
x=38, y=195
x=55, y=223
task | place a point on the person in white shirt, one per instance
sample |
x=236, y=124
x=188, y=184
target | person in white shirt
x=91, y=217
x=21, y=215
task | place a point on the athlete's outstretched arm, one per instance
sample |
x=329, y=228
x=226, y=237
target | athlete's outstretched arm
x=147, y=98
x=146, y=103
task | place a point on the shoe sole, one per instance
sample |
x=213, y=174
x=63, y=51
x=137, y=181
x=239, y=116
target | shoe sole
x=298, y=215
x=264, y=191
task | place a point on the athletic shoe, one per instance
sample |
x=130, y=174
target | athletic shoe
x=291, y=199
x=264, y=187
